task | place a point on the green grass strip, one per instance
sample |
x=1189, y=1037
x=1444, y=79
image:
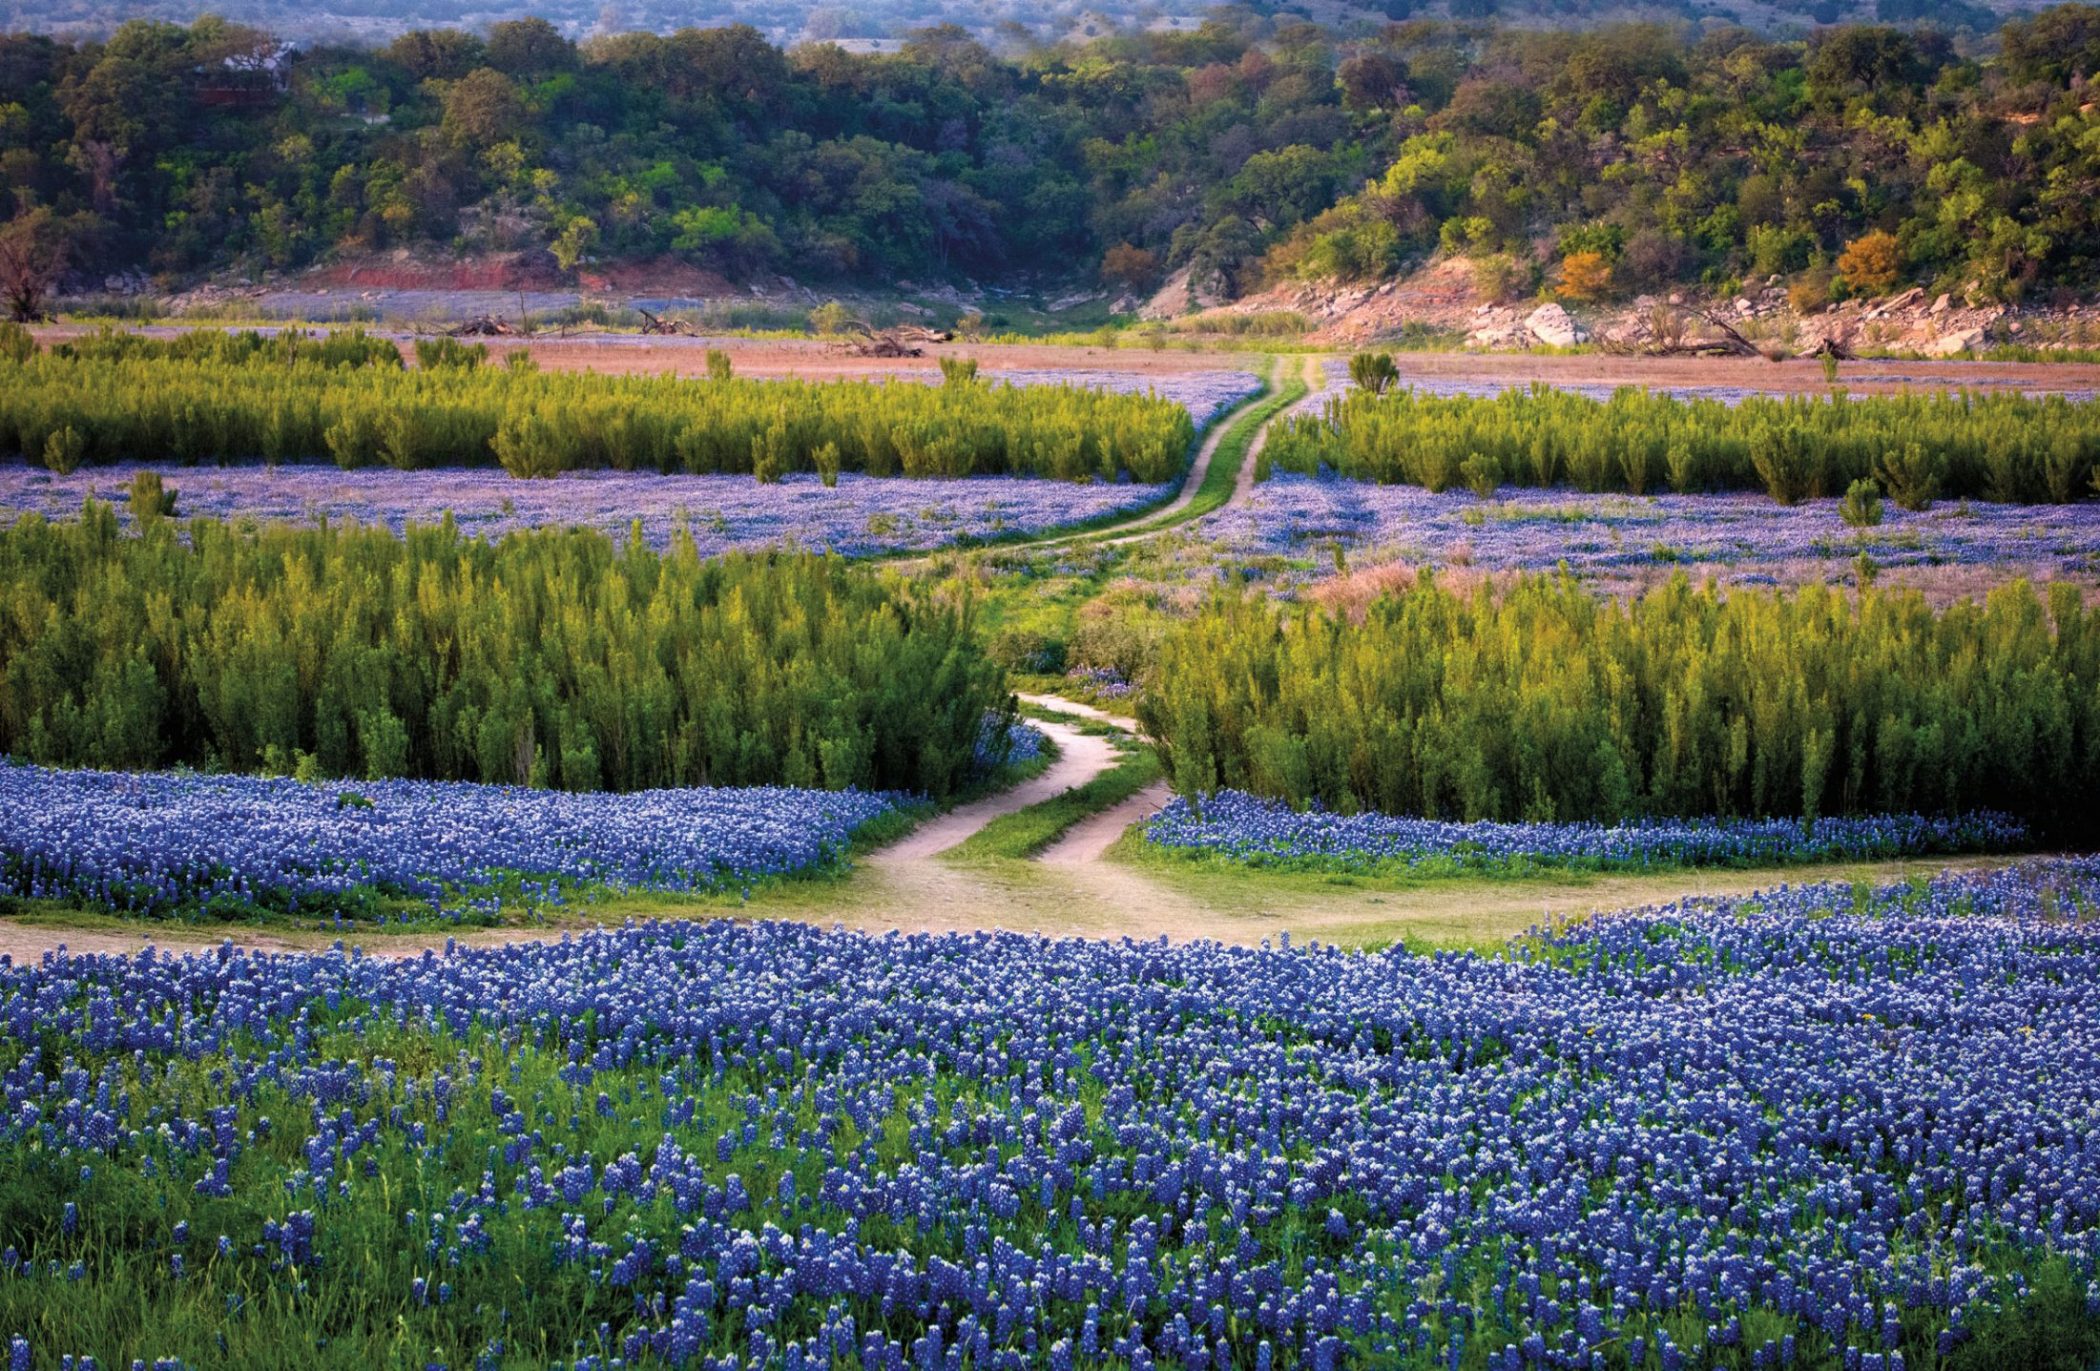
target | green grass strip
x=1029, y=832
x=1224, y=470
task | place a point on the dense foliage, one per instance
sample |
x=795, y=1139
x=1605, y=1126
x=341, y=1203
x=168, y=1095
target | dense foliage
x=99, y=408
x=1609, y=160
x=1916, y=447
x=188, y=844
x=1545, y=703
x=1243, y=828
x=1827, y=1127
x=548, y=658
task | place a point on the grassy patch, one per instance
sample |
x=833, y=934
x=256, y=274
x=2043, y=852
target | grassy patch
x=1027, y=833
x=1136, y=850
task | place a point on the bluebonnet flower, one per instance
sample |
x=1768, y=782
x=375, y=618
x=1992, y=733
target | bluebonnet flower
x=1247, y=828
x=1803, y=1127
x=156, y=842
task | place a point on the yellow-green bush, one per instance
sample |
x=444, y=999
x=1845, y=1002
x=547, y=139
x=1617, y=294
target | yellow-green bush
x=1992, y=446
x=553, y=658
x=160, y=400
x=1548, y=703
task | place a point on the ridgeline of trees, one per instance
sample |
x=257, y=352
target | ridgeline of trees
x=213, y=397
x=550, y=658
x=1605, y=161
x=1548, y=703
x=1914, y=447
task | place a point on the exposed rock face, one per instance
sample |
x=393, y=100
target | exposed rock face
x=1950, y=344
x=1555, y=327
x=1181, y=293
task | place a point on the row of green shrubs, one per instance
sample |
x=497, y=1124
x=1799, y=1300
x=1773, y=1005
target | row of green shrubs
x=1546, y=702
x=1916, y=447
x=229, y=400
x=548, y=658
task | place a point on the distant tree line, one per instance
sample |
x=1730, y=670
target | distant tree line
x=1255, y=147
x=549, y=658
x=1914, y=447
x=1545, y=702
x=348, y=399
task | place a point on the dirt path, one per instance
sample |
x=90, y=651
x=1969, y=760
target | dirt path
x=1074, y=707
x=1316, y=388
x=1089, y=840
x=1082, y=756
x=1183, y=498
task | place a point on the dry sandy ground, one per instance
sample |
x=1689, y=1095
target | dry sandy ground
x=625, y=353
x=815, y=360
x=1790, y=377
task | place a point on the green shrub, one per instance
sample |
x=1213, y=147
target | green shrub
x=1482, y=473
x=150, y=500
x=1912, y=474
x=958, y=371
x=432, y=353
x=1027, y=650
x=1374, y=372
x=63, y=447
x=1861, y=506
x=719, y=367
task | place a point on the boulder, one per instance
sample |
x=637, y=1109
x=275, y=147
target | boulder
x=1968, y=340
x=1555, y=327
x=1499, y=338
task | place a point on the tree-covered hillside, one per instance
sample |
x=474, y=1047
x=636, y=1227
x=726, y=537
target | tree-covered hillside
x=1603, y=162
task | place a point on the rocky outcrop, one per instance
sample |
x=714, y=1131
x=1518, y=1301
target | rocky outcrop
x=1183, y=293
x=1555, y=327
x=1443, y=296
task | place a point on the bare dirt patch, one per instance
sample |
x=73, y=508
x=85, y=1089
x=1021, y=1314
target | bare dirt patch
x=632, y=354
x=1741, y=373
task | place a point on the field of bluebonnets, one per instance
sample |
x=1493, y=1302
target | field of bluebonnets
x=855, y=516
x=1740, y=538
x=1828, y=1126
x=1246, y=828
x=158, y=844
